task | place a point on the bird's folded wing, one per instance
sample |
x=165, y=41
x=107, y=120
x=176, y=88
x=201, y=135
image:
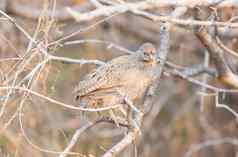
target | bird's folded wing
x=100, y=98
x=106, y=76
x=91, y=82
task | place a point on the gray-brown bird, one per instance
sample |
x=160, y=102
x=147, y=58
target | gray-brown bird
x=125, y=76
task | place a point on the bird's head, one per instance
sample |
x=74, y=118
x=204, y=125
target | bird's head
x=148, y=52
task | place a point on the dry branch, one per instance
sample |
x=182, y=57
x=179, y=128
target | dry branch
x=162, y=53
x=212, y=142
x=181, y=75
x=164, y=49
x=55, y=101
x=26, y=10
x=127, y=140
x=61, y=14
x=75, y=137
x=224, y=73
x=79, y=131
x=139, y=7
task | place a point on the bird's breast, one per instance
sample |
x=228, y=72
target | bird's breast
x=135, y=83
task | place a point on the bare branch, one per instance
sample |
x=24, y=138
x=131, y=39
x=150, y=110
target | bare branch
x=95, y=41
x=137, y=8
x=58, y=102
x=62, y=14
x=224, y=47
x=127, y=140
x=199, y=83
x=213, y=142
x=162, y=52
x=75, y=137
x=224, y=106
x=76, y=61
x=224, y=72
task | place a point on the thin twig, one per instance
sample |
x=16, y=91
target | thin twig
x=224, y=106
x=95, y=41
x=127, y=140
x=222, y=45
x=208, y=143
x=76, y=61
x=58, y=102
x=75, y=137
x=225, y=74
x=82, y=30
x=79, y=131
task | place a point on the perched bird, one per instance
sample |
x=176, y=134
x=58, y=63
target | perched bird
x=126, y=76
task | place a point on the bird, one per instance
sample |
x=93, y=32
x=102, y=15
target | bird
x=127, y=76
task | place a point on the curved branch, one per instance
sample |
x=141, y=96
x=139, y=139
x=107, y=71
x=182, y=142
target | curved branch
x=58, y=102
x=225, y=75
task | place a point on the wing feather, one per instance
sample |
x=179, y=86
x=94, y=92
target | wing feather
x=105, y=76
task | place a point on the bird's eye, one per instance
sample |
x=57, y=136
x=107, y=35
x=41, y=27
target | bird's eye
x=77, y=97
x=146, y=53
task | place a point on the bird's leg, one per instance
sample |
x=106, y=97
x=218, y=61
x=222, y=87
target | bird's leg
x=134, y=115
x=129, y=116
x=114, y=117
x=122, y=110
x=130, y=104
x=137, y=119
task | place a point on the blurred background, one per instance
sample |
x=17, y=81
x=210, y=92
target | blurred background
x=180, y=119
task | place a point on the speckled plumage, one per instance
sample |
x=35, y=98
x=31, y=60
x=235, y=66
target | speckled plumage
x=129, y=74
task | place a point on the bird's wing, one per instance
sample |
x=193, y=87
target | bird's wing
x=106, y=76
x=100, y=98
x=92, y=81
